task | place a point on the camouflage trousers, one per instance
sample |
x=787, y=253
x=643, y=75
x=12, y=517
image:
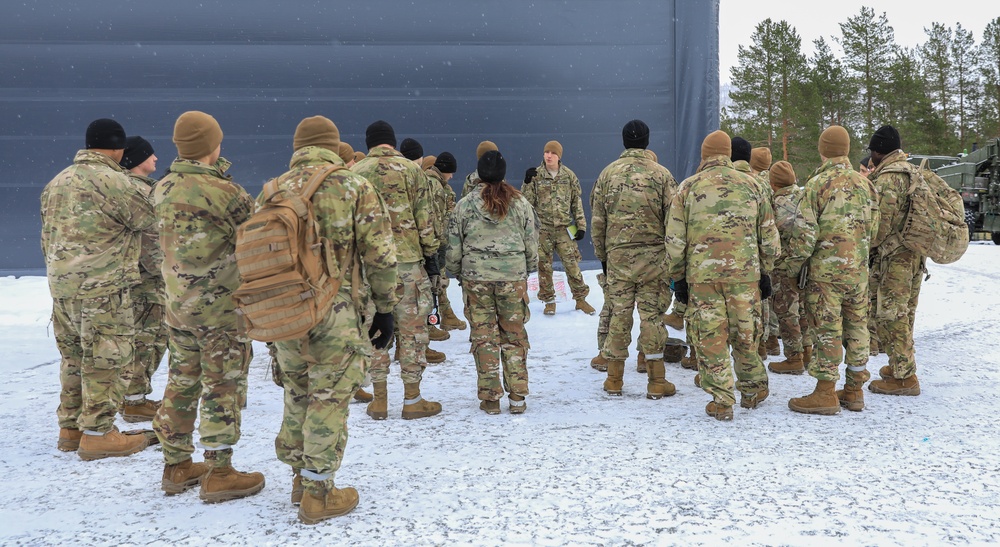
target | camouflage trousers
x=497, y=311
x=838, y=319
x=320, y=374
x=721, y=316
x=628, y=288
x=150, y=345
x=790, y=311
x=604, y=319
x=556, y=239
x=94, y=337
x=414, y=291
x=897, y=279
x=207, y=377
x=444, y=303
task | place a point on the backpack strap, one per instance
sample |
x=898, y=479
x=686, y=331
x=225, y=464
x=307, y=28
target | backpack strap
x=314, y=182
x=270, y=188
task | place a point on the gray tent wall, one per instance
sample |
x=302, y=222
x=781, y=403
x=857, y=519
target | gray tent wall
x=448, y=73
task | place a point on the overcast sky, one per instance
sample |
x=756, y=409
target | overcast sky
x=738, y=18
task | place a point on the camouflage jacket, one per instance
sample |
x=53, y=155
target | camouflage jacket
x=482, y=248
x=407, y=196
x=721, y=229
x=351, y=215
x=92, y=219
x=557, y=199
x=893, y=201
x=785, y=202
x=199, y=208
x=837, y=218
x=630, y=204
x=761, y=183
x=444, y=202
x=471, y=182
x=150, y=255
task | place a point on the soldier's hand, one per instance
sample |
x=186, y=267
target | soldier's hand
x=431, y=266
x=765, y=286
x=579, y=234
x=681, y=290
x=530, y=174
x=382, y=325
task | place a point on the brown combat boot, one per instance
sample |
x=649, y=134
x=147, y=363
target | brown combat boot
x=550, y=308
x=657, y=385
x=516, y=404
x=182, y=477
x=450, y=321
x=139, y=411
x=436, y=334
x=886, y=372
x=225, y=483
x=674, y=353
x=109, y=445
x=490, y=407
x=791, y=365
x=334, y=503
x=873, y=346
x=753, y=400
x=762, y=349
x=363, y=396
x=773, y=347
x=415, y=406
x=640, y=363
x=297, y=489
x=719, y=412
x=616, y=375
x=895, y=386
x=807, y=355
x=674, y=320
x=697, y=380
x=852, y=397
x=599, y=363
x=69, y=439
x=690, y=362
x=434, y=357
x=586, y=308
x=378, y=409
x=823, y=400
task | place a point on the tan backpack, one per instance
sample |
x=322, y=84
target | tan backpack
x=935, y=222
x=289, y=274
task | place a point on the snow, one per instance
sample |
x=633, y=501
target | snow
x=578, y=468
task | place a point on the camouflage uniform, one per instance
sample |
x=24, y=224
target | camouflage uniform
x=764, y=187
x=92, y=216
x=721, y=235
x=147, y=302
x=492, y=259
x=199, y=208
x=321, y=372
x=471, y=183
x=407, y=196
x=444, y=204
x=787, y=303
x=837, y=218
x=897, y=272
x=630, y=203
x=558, y=204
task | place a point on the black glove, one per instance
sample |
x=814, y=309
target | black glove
x=579, y=234
x=765, y=286
x=431, y=266
x=604, y=267
x=681, y=290
x=382, y=324
x=530, y=174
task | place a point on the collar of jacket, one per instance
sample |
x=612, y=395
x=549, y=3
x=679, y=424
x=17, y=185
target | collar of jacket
x=435, y=173
x=194, y=167
x=89, y=156
x=893, y=157
x=383, y=151
x=148, y=181
x=832, y=163
x=782, y=190
x=743, y=166
x=308, y=155
x=635, y=153
x=715, y=161
x=543, y=171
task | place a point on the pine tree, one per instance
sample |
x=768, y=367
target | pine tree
x=910, y=111
x=965, y=59
x=936, y=60
x=869, y=46
x=989, y=66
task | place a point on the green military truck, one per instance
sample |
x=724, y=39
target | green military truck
x=977, y=177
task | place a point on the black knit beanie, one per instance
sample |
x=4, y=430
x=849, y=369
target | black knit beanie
x=741, y=149
x=885, y=140
x=411, y=149
x=137, y=150
x=492, y=168
x=105, y=134
x=378, y=133
x=635, y=134
x=446, y=163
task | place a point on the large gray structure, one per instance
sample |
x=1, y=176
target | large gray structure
x=448, y=73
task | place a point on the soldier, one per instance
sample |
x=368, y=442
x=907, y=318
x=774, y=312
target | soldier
x=92, y=217
x=720, y=240
x=441, y=171
x=321, y=371
x=760, y=163
x=896, y=271
x=472, y=179
x=787, y=303
x=554, y=191
x=147, y=296
x=346, y=153
x=838, y=215
x=630, y=203
x=399, y=183
x=199, y=208
x=493, y=246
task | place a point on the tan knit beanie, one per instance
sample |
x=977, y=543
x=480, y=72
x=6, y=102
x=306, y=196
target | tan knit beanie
x=782, y=174
x=196, y=135
x=554, y=147
x=428, y=162
x=760, y=158
x=317, y=131
x=359, y=155
x=834, y=142
x=717, y=143
x=346, y=152
x=485, y=147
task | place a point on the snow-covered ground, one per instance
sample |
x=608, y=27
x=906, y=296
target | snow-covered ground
x=579, y=468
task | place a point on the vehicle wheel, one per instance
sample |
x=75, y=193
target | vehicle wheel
x=996, y=238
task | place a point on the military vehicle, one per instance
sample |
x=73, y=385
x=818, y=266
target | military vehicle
x=977, y=177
